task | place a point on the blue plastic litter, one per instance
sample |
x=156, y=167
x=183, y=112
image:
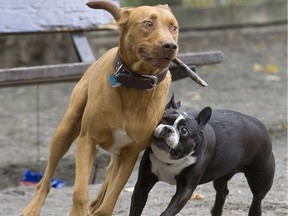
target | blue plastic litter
x=35, y=177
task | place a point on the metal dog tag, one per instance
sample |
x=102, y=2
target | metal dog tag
x=112, y=79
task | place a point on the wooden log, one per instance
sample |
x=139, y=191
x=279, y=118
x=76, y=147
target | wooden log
x=73, y=71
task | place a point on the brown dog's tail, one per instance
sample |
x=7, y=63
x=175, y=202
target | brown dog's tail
x=106, y=5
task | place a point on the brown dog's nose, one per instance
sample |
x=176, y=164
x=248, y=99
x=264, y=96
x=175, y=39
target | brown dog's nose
x=169, y=46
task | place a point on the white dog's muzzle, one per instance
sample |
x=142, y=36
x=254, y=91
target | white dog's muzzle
x=172, y=139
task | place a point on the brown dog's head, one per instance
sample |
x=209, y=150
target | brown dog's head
x=148, y=35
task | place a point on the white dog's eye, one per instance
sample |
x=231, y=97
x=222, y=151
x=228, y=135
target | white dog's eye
x=148, y=24
x=183, y=130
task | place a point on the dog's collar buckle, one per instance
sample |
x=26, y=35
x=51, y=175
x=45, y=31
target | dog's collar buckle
x=154, y=79
x=112, y=78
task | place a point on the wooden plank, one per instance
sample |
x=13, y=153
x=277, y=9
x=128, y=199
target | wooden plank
x=73, y=71
x=177, y=73
x=33, y=16
x=82, y=47
x=202, y=58
x=42, y=74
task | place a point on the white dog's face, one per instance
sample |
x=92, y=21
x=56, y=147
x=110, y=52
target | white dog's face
x=172, y=137
x=169, y=132
x=178, y=135
x=166, y=140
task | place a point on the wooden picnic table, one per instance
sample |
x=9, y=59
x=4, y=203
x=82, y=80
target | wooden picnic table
x=74, y=17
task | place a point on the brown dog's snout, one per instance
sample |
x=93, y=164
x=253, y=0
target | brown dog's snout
x=169, y=49
x=169, y=46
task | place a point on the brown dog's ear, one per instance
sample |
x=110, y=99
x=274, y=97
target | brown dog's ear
x=124, y=17
x=108, y=6
x=164, y=6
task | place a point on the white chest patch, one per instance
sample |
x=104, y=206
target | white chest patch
x=121, y=139
x=167, y=172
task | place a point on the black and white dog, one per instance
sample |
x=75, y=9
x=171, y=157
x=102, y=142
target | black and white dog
x=188, y=151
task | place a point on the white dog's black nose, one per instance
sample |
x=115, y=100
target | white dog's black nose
x=165, y=132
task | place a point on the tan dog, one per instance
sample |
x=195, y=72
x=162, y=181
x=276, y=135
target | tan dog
x=120, y=119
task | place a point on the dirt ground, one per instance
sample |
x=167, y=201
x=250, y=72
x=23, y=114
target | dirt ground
x=252, y=80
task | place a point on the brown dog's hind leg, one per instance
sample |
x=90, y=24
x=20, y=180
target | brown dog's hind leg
x=121, y=169
x=64, y=135
x=95, y=204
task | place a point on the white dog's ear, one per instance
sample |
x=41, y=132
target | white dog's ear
x=172, y=103
x=203, y=117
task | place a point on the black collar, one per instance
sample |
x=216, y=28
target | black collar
x=129, y=79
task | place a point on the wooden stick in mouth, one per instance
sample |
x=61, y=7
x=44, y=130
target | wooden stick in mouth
x=190, y=72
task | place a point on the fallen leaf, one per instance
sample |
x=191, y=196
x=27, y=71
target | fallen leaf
x=271, y=69
x=197, y=196
x=129, y=189
x=282, y=126
x=257, y=67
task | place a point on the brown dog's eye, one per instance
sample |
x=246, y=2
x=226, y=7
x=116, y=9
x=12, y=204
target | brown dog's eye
x=174, y=28
x=148, y=24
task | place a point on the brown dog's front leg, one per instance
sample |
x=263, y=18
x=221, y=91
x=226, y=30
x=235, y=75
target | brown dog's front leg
x=65, y=134
x=85, y=156
x=63, y=137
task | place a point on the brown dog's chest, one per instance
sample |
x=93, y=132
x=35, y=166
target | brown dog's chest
x=124, y=119
x=138, y=119
x=116, y=117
